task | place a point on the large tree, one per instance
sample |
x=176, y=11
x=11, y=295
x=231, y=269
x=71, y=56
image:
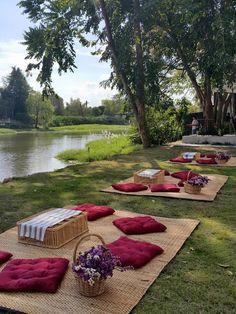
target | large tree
x=198, y=37
x=118, y=27
x=14, y=95
x=39, y=109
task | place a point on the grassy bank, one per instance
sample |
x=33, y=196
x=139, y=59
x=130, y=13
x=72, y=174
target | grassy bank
x=73, y=129
x=100, y=149
x=90, y=128
x=4, y=131
x=194, y=282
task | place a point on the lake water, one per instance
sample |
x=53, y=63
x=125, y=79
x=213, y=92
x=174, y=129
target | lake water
x=22, y=154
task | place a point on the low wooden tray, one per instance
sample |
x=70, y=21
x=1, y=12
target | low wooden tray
x=59, y=234
x=156, y=178
x=197, y=156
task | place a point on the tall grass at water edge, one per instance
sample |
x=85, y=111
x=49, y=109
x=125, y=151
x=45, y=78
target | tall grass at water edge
x=100, y=149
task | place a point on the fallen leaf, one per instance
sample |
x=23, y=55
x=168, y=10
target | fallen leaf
x=223, y=265
x=228, y=272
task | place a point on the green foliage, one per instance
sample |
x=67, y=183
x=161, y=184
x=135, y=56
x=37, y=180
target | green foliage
x=40, y=110
x=58, y=104
x=77, y=108
x=74, y=120
x=167, y=124
x=100, y=149
x=114, y=106
x=163, y=126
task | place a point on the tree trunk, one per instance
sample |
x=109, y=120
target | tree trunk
x=208, y=106
x=136, y=102
x=140, y=79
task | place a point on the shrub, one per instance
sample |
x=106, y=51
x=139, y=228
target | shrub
x=163, y=127
x=75, y=120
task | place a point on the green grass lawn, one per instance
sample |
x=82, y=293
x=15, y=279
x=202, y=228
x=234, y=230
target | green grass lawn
x=194, y=281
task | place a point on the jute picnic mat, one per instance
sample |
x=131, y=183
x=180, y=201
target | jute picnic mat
x=208, y=193
x=230, y=163
x=123, y=291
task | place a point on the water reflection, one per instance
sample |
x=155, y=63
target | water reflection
x=26, y=153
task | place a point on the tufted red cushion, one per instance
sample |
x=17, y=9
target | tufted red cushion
x=129, y=187
x=167, y=173
x=4, y=256
x=183, y=175
x=33, y=275
x=181, y=183
x=180, y=159
x=206, y=161
x=166, y=187
x=93, y=211
x=133, y=252
x=211, y=155
x=139, y=225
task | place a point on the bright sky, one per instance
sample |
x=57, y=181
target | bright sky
x=83, y=83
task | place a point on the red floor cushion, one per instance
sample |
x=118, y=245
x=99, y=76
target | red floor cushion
x=4, y=256
x=129, y=187
x=206, y=161
x=180, y=159
x=181, y=183
x=183, y=175
x=166, y=187
x=93, y=211
x=139, y=225
x=133, y=252
x=33, y=275
x=202, y=155
x=167, y=173
x=211, y=155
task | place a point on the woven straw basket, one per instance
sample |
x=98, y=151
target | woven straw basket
x=191, y=189
x=221, y=161
x=84, y=287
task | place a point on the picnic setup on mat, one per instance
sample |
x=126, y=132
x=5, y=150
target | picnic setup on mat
x=38, y=279
x=181, y=185
x=57, y=260
x=201, y=159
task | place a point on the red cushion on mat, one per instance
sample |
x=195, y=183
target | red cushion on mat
x=133, y=252
x=4, y=256
x=206, y=161
x=180, y=159
x=129, y=187
x=181, y=183
x=166, y=187
x=202, y=155
x=211, y=155
x=94, y=211
x=139, y=225
x=167, y=173
x=33, y=275
x=183, y=175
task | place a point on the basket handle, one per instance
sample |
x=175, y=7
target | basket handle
x=188, y=175
x=84, y=237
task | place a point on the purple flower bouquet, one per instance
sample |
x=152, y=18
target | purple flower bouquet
x=222, y=156
x=200, y=181
x=96, y=264
x=195, y=184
